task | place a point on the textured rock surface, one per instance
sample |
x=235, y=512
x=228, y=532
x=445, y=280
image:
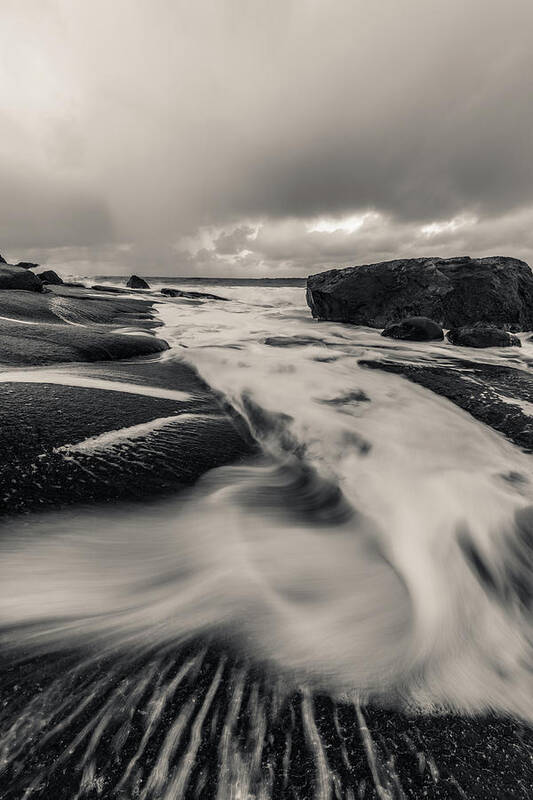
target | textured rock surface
x=191, y=295
x=12, y=277
x=35, y=329
x=49, y=276
x=482, y=335
x=137, y=283
x=491, y=393
x=452, y=291
x=414, y=329
x=110, y=289
x=38, y=419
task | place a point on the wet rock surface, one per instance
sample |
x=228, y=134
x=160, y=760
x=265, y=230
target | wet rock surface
x=201, y=719
x=43, y=423
x=191, y=295
x=70, y=324
x=12, y=277
x=493, y=394
x=452, y=292
x=482, y=335
x=414, y=329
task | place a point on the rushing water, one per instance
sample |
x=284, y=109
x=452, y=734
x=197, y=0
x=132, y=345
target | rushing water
x=376, y=549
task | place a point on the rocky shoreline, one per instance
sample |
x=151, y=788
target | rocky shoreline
x=77, y=433
x=168, y=426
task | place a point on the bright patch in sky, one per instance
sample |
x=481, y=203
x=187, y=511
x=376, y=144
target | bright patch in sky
x=447, y=226
x=345, y=224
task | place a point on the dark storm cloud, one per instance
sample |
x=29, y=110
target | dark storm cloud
x=131, y=124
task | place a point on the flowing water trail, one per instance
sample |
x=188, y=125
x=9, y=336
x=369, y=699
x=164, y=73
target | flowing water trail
x=375, y=551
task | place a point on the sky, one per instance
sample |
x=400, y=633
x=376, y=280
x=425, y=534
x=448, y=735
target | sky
x=263, y=137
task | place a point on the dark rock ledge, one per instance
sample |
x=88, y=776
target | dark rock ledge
x=38, y=419
x=486, y=391
x=68, y=324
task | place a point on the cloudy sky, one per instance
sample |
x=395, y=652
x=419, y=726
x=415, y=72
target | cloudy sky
x=263, y=137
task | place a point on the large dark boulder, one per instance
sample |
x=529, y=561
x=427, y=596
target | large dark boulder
x=12, y=277
x=450, y=291
x=482, y=335
x=49, y=276
x=137, y=283
x=27, y=265
x=414, y=329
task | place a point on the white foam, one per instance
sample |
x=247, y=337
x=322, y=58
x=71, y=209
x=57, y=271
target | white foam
x=21, y=321
x=120, y=435
x=38, y=375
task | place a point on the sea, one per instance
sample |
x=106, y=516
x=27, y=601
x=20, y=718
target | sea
x=331, y=562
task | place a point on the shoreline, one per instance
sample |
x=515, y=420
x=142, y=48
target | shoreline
x=157, y=430
x=40, y=418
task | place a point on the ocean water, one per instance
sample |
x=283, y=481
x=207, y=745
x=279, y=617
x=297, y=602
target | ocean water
x=375, y=551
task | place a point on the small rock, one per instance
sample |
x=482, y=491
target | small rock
x=190, y=295
x=111, y=289
x=27, y=265
x=137, y=283
x=49, y=276
x=482, y=334
x=415, y=329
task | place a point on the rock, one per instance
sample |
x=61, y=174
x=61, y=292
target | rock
x=27, y=265
x=54, y=343
x=111, y=289
x=137, y=283
x=49, y=276
x=415, y=329
x=452, y=292
x=191, y=295
x=482, y=335
x=12, y=277
x=2, y=259
x=492, y=393
x=36, y=419
x=292, y=341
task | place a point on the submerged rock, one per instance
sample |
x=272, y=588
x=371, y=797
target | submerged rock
x=49, y=276
x=191, y=295
x=292, y=341
x=451, y=291
x=12, y=277
x=415, y=329
x=482, y=335
x=111, y=289
x=137, y=283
